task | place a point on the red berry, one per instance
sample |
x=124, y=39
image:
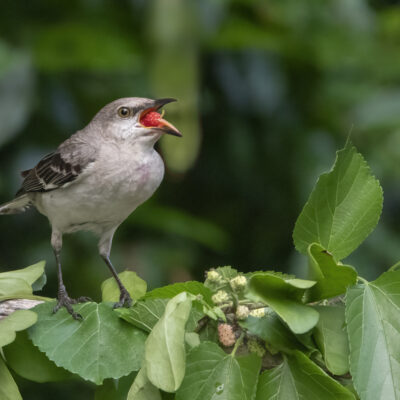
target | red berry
x=150, y=119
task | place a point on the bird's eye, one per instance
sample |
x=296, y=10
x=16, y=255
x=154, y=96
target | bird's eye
x=124, y=112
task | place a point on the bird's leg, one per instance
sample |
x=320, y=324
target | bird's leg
x=125, y=299
x=63, y=299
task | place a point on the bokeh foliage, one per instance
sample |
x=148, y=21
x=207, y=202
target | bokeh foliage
x=267, y=91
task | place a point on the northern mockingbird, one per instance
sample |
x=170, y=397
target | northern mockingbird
x=96, y=178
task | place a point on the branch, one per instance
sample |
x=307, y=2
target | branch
x=9, y=306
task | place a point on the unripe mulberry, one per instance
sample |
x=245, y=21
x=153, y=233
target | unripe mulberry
x=220, y=297
x=242, y=312
x=238, y=283
x=255, y=347
x=226, y=335
x=213, y=276
x=258, y=312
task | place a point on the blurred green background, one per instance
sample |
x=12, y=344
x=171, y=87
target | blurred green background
x=268, y=91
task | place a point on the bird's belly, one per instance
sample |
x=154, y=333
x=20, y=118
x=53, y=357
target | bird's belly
x=100, y=201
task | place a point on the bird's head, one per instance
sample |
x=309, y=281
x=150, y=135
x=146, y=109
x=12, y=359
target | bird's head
x=135, y=119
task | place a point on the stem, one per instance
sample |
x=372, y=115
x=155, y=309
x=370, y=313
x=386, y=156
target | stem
x=235, y=299
x=237, y=344
x=395, y=266
x=360, y=278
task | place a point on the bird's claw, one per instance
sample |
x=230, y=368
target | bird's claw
x=65, y=301
x=125, y=300
x=83, y=299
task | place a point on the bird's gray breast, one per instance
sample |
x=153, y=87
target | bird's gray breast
x=111, y=188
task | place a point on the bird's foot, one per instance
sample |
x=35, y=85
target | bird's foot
x=65, y=301
x=125, y=299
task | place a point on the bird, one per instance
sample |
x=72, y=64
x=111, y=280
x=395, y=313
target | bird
x=96, y=178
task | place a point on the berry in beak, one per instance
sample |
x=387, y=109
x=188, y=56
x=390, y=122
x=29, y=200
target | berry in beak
x=150, y=118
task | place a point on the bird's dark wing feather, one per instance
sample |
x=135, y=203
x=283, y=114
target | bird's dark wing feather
x=56, y=169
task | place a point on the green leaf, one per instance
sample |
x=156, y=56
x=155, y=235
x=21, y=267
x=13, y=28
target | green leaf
x=373, y=324
x=13, y=287
x=214, y=313
x=194, y=317
x=343, y=208
x=332, y=278
x=165, y=347
x=213, y=374
x=27, y=361
x=136, y=287
x=143, y=389
x=19, y=283
x=210, y=332
x=284, y=297
x=17, y=321
x=145, y=314
x=99, y=347
x=8, y=388
x=299, y=378
x=29, y=274
x=192, y=339
x=114, y=389
x=331, y=337
x=274, y=332
x=193, y=287
x=227, y=273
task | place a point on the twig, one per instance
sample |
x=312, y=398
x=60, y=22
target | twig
x=9, y=306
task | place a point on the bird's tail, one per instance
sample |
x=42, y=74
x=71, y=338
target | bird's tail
x=16, y=206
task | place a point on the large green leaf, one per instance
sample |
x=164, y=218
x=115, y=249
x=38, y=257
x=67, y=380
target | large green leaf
x=115, y=389
x=135, y=285
x=284, y=296
x=331, y=337
x=8, y=388
x=193, y=287
x=213, y=374
x=143, y=389
x=29, y=274
x=373, y=324
x=343, y=208
x=101, y=346
x=332, y=278
x=145, y=314
x=209, y=333
x=19, y=283
x=299, y=378
x=274, y=332
x=27, y=361
x=13, y=287
x=17, y=321
x=165, y=356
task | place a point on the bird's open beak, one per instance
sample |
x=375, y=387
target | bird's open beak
x=156, y=120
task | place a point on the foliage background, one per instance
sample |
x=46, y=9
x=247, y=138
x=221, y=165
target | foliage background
x=267, y=90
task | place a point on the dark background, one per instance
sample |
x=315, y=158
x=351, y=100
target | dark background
x=268, y=91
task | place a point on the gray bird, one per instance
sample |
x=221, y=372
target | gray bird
x=96, y=179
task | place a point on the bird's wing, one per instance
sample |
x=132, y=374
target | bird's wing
x=59, y=168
